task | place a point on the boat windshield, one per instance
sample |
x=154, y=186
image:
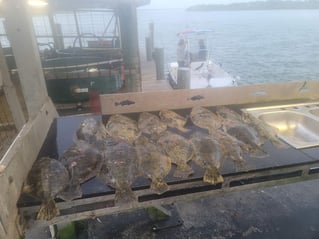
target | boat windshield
x=197, y=43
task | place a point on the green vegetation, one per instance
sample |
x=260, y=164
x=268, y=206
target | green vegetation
x=258, y=5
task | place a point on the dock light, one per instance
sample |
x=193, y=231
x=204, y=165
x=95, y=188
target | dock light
x=38, y=3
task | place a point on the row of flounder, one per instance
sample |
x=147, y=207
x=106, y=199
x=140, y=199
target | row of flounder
x=124, y=149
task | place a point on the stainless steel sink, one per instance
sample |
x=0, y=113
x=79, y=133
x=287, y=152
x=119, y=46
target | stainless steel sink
x=297, y=125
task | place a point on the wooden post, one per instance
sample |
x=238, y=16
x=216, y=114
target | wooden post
x=148, y=49
x=151, y=35
x=16, y=163
x=56, y=32
x=25, y=49
x=159, y=62
x=183, y=78
x=11, y=94
x=128, y=25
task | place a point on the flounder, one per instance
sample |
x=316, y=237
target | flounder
x=179, y=150
x=45, y=180
x=173, y=120
x=208, y=155
x=226, y=113
x=249, y=137
x=234, y=126
x=83, y=162
x=264, y=130
x=119, y=170
x=91, y=131
x=123, y=127
x=150, y=124
x=153, y=163
x=230, y=146
x=205, y=118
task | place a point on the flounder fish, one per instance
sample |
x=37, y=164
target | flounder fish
x=208, y=155
x=119, y=170
x=150, y=124
x=153, y=163
x=204, y=118
x=173, y=120
x=230, y=146
x=179, y=150
x=83, y=162
x=45, y=180
x=123, y=127
x=249, y=137
x=264, y=130
x=234, y=126
x=91, y=131
x=226, y=113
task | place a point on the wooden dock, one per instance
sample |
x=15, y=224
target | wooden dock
x=149, y=81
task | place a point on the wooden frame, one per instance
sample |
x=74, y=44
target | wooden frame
x=179, y=99
x=16, y=163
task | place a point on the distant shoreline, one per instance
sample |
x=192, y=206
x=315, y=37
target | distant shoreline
x=268, y=5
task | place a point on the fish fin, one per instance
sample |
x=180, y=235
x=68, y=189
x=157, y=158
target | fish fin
x=279, y=144
x=183, y=171
x=159, y=186
x=184, y=130
x=70, y=193
x=48, y=210
x=213, y=176
x=125, y=197
x=258, y=153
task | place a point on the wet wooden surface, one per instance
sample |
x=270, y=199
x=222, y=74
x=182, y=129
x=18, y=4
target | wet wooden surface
x=149, y=81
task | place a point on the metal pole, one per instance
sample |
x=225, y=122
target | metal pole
x=77, y=28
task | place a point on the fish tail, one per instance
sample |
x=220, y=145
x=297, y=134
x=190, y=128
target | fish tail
x=125, y=197
x=70, y=192
x=183, y=171
x=258, y=153
x=184, y=130
x=213, y=176
x=48, y=210
x=159, y=186
x=279, y=144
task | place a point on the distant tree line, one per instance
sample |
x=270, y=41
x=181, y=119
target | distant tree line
x=257, y=5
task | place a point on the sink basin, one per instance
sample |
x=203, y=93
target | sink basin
x=297, y=129
x=297, y=125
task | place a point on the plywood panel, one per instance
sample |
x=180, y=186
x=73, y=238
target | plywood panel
x=178, y=99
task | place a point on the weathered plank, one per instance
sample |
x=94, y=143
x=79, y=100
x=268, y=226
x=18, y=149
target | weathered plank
x=103, y=205
x=19, y=28
x=184, y=98
x=16, y=163
x=11, y=94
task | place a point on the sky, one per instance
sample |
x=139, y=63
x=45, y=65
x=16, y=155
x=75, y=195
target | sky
x=186, y=3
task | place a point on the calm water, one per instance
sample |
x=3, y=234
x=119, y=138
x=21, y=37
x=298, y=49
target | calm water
x=257, y=46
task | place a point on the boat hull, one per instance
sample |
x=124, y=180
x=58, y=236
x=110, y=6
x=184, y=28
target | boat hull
x=203, y=74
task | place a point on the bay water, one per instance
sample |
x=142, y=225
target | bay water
x=255, y=46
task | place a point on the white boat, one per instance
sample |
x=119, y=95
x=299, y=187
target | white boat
x=203, y=72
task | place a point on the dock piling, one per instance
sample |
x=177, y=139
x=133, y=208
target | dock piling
x=159, y=63
x=183, y=78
